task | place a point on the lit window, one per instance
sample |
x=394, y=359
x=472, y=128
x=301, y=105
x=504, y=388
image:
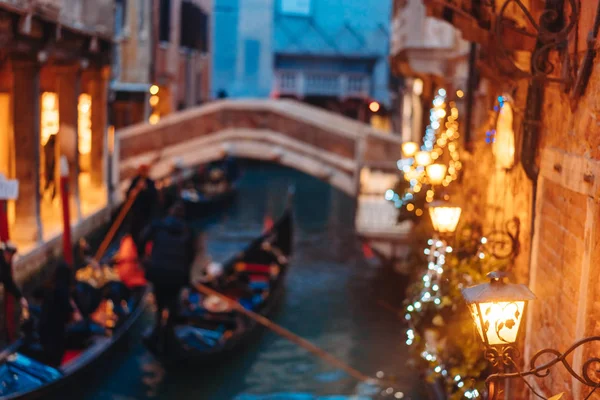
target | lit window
x=84, y=123
x=49, y=117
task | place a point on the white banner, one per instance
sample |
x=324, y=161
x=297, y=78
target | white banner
x=9, y=190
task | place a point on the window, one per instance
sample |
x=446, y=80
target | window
x=141, y=15
x=193, y=27
x=295, y=7
x=120, y=17
x=164, y=33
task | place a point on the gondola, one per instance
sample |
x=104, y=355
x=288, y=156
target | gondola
x=211, y=190
x=207, y=329
x=23, y=374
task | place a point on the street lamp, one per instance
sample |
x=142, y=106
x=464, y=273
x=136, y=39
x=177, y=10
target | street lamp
x=444, y=216
x=497, y=309
x=409, y=149
x=436, y=173
x=423, y=158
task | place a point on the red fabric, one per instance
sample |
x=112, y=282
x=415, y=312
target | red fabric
x=3, y=221
x=70, y=355
x=258, y=278
x=268, y=223
x=129, y=270
x=367, y=251
x=9, y=315
x=257, y=268
x=148, y=248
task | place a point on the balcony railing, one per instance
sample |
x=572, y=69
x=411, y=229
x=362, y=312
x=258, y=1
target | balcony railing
x=300, y=83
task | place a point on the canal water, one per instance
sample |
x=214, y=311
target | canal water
x=334, y=298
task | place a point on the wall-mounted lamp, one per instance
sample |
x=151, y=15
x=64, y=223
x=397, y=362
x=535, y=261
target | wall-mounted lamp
x=444, y=216
x=503, y=146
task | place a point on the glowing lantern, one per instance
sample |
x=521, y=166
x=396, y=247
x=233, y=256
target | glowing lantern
x=436, y=173
x=154, y=118
x=423, y=158
x=154, y=90
x=504, y=141
x=444, y=216
x=409, y=149
x=374, y=106
x=497, y=309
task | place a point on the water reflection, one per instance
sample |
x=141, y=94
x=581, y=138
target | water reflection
x=333, y=300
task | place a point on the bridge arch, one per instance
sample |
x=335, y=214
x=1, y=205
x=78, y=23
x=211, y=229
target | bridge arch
x=317, y=142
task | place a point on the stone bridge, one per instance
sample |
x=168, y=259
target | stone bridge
x=326, y=145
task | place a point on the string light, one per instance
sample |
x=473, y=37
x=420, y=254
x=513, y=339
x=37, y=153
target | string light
x=431, y=293
x=440, y=143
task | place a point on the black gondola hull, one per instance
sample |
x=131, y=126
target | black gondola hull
x=179, y=356
x=73, y=376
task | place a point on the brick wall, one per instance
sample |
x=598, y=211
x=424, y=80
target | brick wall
x=136, y=46
x=559, y=265
x=493, y=196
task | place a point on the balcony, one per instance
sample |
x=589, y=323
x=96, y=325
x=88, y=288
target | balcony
x=302, y=83
x=475, y=20
x=91, y=17
x=424, y=44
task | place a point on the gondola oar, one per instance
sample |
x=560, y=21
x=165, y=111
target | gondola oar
x=121, y=216
x=10, y=349
x=288, y=335
x=119, y=220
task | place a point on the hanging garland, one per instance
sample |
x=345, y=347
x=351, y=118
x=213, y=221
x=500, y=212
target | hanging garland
x=440, y=333
x=413, y=189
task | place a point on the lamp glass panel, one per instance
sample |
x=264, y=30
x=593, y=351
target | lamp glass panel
x=501, y=321
x=409, y=149
x=445, y=219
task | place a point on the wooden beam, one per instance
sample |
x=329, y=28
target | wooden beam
x=576, y=173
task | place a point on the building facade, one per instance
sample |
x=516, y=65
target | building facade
x=132, y=58
x=328, y=53
x=181, y=63
x=530, y=166
x=54, y=76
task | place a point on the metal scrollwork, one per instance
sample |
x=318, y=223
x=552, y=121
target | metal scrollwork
x=504, y=244
x=503, y=358
x=547, y=38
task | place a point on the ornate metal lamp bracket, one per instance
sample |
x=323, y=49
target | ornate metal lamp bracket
x=547, y=40
x=506, y=356
x=504, y=244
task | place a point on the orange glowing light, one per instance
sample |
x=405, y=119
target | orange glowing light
x=374, y=106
